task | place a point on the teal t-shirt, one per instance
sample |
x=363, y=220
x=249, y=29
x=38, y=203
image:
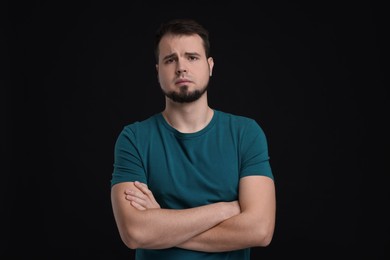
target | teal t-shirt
x=185, y=170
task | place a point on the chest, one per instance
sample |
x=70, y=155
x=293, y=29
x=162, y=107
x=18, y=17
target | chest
x=194, y=172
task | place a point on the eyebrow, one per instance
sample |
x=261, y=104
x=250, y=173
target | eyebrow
x=192, y=54
x=186, y=54
x=169, y=56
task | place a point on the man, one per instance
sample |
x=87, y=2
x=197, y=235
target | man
x=191, y=182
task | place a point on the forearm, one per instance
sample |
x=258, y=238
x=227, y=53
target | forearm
x=203, y=228
x=164, y=228
x=143, y=224
x=254, y=226
x=235, y=233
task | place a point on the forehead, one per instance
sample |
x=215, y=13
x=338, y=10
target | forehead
x=180, y=44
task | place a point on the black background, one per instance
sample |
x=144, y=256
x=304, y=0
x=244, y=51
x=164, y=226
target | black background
x=311, y=74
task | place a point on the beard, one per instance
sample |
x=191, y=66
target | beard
x=185, y=96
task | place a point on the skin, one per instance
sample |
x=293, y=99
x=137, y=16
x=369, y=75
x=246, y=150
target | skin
x=183, y=69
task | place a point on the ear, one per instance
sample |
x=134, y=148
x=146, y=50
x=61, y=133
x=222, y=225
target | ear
x=210, y=61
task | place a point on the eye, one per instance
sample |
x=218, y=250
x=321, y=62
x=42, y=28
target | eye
x=192, y=58
x=170, y=60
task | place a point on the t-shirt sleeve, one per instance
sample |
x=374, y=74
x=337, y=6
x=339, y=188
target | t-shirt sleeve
x=128, y=165
x=254, y=151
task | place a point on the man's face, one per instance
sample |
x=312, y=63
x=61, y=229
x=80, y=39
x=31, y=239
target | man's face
x=183, y=69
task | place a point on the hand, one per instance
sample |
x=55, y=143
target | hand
x=141, y=198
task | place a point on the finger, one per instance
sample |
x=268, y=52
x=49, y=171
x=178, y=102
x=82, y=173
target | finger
x=135, y=193
x=144, y=188
x=141, y=186
x=136, y=200
x=147, y=195
x=137, y=206
x=138, y=183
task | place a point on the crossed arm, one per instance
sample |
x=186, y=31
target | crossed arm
x=222, y=226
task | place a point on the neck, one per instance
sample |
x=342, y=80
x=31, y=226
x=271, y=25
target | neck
x=188, y=117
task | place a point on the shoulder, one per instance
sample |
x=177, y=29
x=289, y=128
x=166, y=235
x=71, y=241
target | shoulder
x=237, y=121
x=143, y=125
x=137, y=130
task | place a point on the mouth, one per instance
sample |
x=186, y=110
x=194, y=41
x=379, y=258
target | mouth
x=182, y=81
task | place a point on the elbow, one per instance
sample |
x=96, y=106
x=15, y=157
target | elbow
x=133, y=239
x=265, y=239
x=139, y=238
x=264, y=236
x=130, y=242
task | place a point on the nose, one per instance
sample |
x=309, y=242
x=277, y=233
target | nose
x=180, y=68
x=180, y=71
